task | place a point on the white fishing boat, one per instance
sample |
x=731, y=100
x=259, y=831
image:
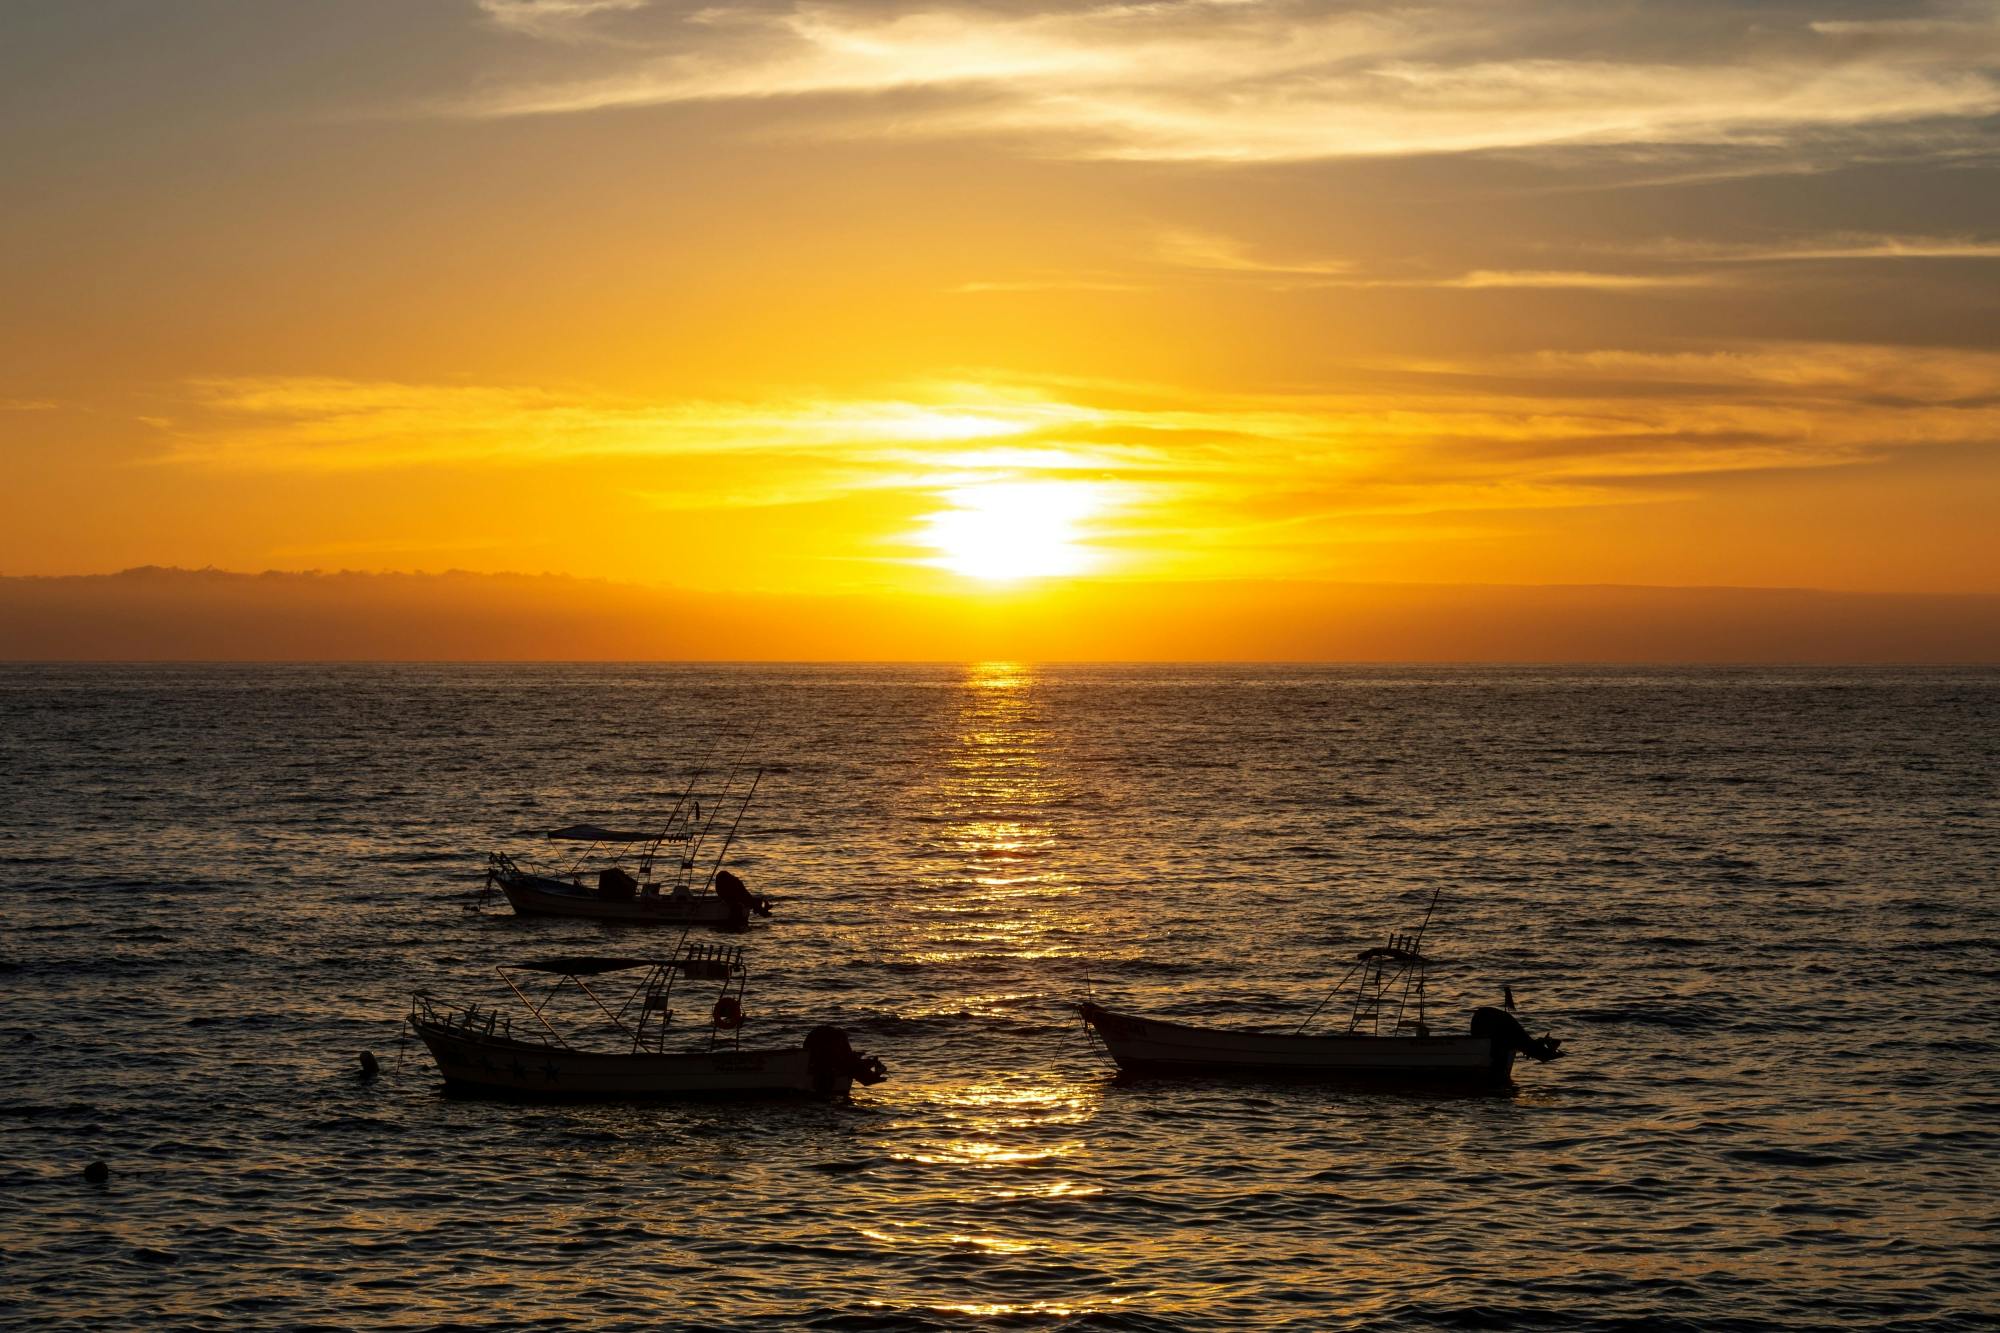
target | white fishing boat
x=645, y=877
x=483, y=1049
x=1387, y=1035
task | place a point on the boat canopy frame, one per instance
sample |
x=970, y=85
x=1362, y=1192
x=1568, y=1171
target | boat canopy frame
x=1383, y=984
x=644, y=1017
x=678, y=847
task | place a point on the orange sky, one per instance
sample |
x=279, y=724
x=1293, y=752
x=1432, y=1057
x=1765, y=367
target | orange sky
x=971, y=301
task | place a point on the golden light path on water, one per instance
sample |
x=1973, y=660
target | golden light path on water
x=988, y=804
x=1014, y=1142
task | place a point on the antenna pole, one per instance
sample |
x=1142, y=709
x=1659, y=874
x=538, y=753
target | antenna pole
x=1425, y=924
x=653, y=851
x=731, y=835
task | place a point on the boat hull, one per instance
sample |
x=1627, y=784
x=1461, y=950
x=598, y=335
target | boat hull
x=535, y=895
x=1154, y=1048
x=498, y=1066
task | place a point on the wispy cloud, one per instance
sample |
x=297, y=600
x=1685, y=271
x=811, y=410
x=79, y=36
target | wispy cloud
x=343, y=425
x=1217, y=255
x=1839, y=246
x=1290, y=81
x=1406, y=443
x=1184, y=247
x=560, y=20
x=1863, y=389
x=1569, y=278
x=1213, y=254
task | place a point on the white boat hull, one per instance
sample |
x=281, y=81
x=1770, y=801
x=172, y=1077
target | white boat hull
x=474, y=1062
x=1149, y=1046
x=536, y=895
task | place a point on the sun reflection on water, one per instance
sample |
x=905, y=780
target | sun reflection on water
x=999, y=888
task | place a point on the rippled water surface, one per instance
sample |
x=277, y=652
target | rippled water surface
x=1759, y=906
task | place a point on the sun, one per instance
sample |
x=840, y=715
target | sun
x=1008, y=530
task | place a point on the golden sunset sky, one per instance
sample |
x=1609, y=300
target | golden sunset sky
x=975, y=301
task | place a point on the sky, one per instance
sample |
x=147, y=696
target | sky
x=989, y=301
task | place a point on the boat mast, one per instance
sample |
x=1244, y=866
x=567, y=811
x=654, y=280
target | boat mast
x=1425, y=924
x=697, y=835
x=646, y=861
x=1374, y=974
x=730, y=837
x=1419, y=967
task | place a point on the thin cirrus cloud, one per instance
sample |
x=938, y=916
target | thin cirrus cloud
x=1568, y=279
x=1542, y=431
x=1819, y=249
x=1283, y=82
x=338, y=425
x=561, y=20
x=1214, y=255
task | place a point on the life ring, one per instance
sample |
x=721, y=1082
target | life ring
x=727, y=1014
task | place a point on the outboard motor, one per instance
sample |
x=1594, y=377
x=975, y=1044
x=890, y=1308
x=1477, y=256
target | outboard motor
x=741, y=901
x=835, y=1065
x=1504, y=1028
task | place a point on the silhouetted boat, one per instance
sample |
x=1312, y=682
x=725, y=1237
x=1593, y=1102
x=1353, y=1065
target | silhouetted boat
x=660, y=889
x=483, y=1050
x=1387, y=1037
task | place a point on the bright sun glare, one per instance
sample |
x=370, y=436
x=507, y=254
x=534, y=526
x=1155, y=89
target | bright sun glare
x=1013, y=530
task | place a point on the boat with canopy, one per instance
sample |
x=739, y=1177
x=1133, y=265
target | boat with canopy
x=535, y=1049
x=648, y=877
x=1386, y=1034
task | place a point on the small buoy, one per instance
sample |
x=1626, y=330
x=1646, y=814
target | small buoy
x=97, y=1173
x=369, y=1069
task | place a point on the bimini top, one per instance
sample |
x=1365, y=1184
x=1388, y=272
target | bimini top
x=592, y=833
x=580, y=965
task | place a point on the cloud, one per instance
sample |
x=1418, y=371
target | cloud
x=1560, y=278
x=1291, y=81
x=1843, y=378
x=1547, y=279
x=320, y=424
x=559, y=20
x=1216, y=255
x=1264, y=472
x=1184, y=247
x=185, y=615
x=1819, y=249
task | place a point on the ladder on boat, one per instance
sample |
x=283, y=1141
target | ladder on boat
x=1386, y=983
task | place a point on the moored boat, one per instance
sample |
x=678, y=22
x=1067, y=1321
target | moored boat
x=1151, y=1046
x=645, y=877
x=610, y=898
x=483, y=1050
x=1387, y=1036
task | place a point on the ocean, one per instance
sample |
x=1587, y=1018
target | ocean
x=1758, y=905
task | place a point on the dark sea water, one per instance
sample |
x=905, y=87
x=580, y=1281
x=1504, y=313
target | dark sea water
x=1760, y=907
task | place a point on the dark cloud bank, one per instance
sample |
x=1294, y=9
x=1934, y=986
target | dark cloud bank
x=155, y=614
